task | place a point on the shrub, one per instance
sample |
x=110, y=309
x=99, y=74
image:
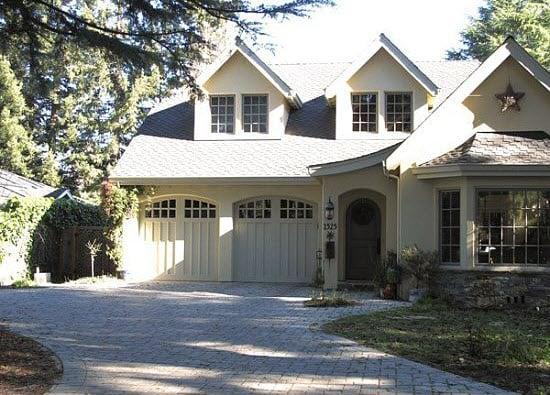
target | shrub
x=421, y=265
x=23, y=283
x=333, y=299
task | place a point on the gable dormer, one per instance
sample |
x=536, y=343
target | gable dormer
x=383, y=94
x=243, y=99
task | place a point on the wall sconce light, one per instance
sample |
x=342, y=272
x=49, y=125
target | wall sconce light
x=329, y=210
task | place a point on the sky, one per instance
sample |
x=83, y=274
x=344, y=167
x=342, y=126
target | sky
x=423, y=29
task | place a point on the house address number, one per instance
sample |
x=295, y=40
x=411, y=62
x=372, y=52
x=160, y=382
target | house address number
x=331, y=226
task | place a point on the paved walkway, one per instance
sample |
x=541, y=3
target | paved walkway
x=210, y=338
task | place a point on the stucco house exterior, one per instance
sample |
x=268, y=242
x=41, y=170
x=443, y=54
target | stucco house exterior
x=282, y=166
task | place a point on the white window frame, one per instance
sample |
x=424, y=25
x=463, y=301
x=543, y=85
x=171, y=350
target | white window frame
x=226, y=106
x=386, y=93
x=376, y=112
x=266, y=95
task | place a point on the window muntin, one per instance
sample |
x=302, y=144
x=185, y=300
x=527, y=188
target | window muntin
x=255, y=113
x=449, y=226
x=513, y=227
x=255, y=209
x=399, y=111
x=295, y=209
x=222, y=111
x=161, y=209
x=198, y=209
x=364, y=112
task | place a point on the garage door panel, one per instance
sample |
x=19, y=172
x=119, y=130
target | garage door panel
x=181, y=238
x=272, y=240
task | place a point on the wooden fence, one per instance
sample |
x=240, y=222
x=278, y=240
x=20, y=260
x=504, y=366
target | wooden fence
x=66, y=256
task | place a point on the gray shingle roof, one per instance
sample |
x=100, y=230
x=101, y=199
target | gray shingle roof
x=501, y=148
x=12, y=185
x=164, y=146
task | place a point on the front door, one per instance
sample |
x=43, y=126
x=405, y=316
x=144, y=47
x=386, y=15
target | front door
x=362, y=239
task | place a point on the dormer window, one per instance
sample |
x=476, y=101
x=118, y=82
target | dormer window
x=364, y=112
x=398, y=111
x=255, y=113
x=222, y=110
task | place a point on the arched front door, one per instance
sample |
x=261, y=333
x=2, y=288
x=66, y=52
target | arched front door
x=362, y=239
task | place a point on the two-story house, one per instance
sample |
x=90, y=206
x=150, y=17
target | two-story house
x=280, y=167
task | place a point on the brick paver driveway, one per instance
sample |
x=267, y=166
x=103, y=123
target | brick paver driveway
x=210, y=338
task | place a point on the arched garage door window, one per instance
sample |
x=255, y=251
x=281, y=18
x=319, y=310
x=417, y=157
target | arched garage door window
x=275, y=240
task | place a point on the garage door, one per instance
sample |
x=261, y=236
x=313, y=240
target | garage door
x=275, y=240
x=181, y=239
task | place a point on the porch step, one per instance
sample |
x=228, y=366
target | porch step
x=356, y=285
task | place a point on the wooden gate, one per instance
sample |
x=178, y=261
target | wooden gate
x=74, y=258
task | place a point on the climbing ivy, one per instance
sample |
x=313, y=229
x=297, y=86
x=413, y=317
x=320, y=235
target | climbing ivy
x=119, y=203
x=19, y=218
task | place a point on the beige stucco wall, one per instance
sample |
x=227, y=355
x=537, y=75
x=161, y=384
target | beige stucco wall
x=238, y=77
x=224, y=196
x=343, y=189
x=485, y=107
x=380, y=74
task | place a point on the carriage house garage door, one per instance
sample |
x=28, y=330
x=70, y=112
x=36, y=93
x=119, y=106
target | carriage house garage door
x=275, y=240
x=181, y=239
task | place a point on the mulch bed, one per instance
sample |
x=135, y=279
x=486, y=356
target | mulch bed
x=26, y=367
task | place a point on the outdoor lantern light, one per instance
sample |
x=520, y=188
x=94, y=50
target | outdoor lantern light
x=329, y=210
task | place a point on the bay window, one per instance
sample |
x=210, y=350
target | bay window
x=513, y=227
x=449, y=226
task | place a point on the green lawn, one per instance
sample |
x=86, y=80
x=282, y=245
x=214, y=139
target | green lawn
x=510, y=349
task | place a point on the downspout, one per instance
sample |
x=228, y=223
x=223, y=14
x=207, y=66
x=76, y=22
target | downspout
x=397, y=179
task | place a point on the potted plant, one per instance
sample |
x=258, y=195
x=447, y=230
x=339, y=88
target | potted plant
x=393, y=276
x=386, y=275
x=421, y=266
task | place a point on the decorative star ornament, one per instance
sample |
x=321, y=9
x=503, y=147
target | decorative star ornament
x=509, y=99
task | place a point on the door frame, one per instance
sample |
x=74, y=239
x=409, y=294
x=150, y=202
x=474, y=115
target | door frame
x=344, y=200
x=348, y=226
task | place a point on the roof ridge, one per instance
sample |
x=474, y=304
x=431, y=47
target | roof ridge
x=306, y=63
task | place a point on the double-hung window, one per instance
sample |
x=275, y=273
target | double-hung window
x=364, y=112
x=255, y=113
x=222, y=110
x=398, y=111
x=449, y=226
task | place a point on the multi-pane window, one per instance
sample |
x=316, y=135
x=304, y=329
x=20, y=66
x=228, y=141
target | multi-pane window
x=162, y=209
x=513, y=227
x=295, y=209
x=449, y=234
x=255, y=209
x=364, y=112
x=198, y=209
x=255, y=113
x=398, y=112
x=222, y=110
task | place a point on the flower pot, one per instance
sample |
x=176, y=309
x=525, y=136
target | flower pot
x=390, y=292
x=416, y=294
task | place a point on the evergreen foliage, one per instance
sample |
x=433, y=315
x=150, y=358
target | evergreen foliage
x=528, y=21
x=90, y=70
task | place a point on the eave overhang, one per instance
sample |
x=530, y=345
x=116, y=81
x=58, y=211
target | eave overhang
x=480, y=170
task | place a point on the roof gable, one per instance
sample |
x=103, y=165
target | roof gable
x=264, y=69
x=509, y=49
x=382, y=42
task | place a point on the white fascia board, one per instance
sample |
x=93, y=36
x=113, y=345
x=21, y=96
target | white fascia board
x=510, y=48
x=467, y=170
x=214, y=180
x=263, y=68
x=382, y=42
x=348, y=165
